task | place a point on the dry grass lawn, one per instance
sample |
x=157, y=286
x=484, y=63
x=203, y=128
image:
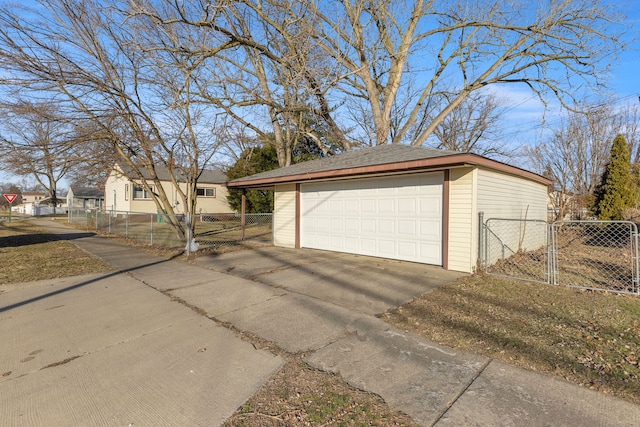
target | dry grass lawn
x=590, y=338
x=27, y=254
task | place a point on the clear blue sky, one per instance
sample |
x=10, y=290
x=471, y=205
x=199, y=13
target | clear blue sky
x=626, y=80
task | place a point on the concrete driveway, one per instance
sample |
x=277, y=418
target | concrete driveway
x=363, y=284
x=145, y=345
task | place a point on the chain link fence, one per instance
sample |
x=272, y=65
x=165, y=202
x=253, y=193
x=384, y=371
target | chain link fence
x=211, y=230
x=598, y=255
x=517, y=248
x=219, y=230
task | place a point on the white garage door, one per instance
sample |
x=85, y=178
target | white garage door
x=396, y=217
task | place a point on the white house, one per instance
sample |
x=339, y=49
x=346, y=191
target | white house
x=397, y=201
x=38, y=203
x=124, y=193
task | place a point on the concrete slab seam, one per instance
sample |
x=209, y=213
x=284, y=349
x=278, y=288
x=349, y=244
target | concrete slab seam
x=227, y=325
x=463, y=391
x=175, y=289
x=252, y=305
x=347, y=334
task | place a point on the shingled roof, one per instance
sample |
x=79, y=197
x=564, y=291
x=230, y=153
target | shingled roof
x=87, y=193
x=389, y=158
x=208, y=176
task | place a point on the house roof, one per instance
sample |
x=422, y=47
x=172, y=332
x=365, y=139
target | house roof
x=87, y=193
x=208, y=176
x=382, y=159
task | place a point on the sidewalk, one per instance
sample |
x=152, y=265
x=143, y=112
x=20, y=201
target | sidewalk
x=435, y=385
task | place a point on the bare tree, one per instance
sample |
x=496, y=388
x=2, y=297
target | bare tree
x=166, y=68
x=100, y=67
x=36, y=144
x=575, y=156
x=627, y=122
x=263, y=66
x=391, y=63
x=554, y=48
x=474, y=126
x=94, y=156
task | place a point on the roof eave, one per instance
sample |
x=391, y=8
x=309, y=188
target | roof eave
x=457, y=160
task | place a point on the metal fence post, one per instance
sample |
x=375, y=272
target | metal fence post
x=96, y=215
x=151, y=229
x=126, y=225
x=188, y=220
x=636, y=268
x=553, y=254
x=550, y=253
x=481, y=239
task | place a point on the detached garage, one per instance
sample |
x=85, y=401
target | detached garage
x=398, y=202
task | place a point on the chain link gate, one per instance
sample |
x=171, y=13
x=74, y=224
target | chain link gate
x=598, y=255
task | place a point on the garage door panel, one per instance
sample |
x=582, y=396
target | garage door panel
x=386, y=206
x=407, y=227
x=430, y=230
x=386, y=226
x=322, y=224
x=392, y=217
x=386, y=247
x=368, y=206
x=408, y=249
x=407, y=206
x=351, y=225
x=431, y=206
x=321, y=240
x=367, y=246
x=336, y=241
x=427, y=252
x=352, y=244
x=351, y=206
x=368, y=225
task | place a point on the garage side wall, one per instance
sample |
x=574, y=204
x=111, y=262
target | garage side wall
x=507, y=196
x=513, y=198
x=284, y=216
x=462, y=212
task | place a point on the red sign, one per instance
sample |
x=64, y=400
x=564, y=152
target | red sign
x=10, y=197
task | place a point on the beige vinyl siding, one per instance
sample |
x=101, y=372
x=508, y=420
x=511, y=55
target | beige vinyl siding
x=502, y=196
x=507, y=196
x=462, y=211
x=284, y=216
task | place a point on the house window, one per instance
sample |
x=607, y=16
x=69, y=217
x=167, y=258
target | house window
x=206, y=192
x=140, y=193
